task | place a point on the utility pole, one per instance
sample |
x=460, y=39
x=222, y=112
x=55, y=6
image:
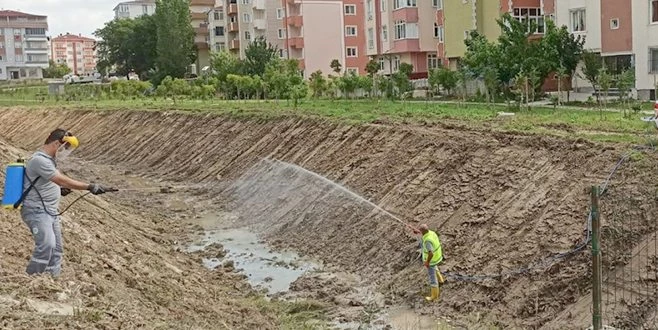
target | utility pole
x=596, y=261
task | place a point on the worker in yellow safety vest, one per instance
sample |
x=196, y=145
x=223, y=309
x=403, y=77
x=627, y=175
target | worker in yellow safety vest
x=432, y=256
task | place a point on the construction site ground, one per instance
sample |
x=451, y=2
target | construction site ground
x=500, y=200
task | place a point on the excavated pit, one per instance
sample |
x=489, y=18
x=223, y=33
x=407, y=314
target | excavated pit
x=499, y=202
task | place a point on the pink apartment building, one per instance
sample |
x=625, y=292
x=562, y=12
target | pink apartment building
x=319, y=31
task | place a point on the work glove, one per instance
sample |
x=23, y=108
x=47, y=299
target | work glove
x=96, y=189
x=427, y=264
x=65, y=191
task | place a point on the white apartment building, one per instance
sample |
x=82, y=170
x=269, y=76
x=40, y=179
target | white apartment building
x=134, y=9
x=23, y=45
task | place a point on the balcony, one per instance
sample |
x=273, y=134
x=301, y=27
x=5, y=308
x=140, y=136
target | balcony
x=198, y=16
x=233, y=27
x=260, y=24
x=232, y=9
x=41, y=37
x=234, y=44
x=296, y=42
x=259, y=4
x=409, y=14
x=210, y=3
x=296, y=21
x=202, y=31
x=201, y=45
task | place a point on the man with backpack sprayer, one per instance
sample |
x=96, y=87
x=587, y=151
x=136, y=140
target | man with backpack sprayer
x=42, y=190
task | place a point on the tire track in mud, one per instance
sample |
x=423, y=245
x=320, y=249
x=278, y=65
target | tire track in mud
x=500, y=200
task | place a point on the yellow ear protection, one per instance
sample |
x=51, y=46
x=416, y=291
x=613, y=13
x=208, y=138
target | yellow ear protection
x=69, y=140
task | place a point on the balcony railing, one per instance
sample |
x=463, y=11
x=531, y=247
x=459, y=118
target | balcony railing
x=260, y=24
x=233, y=27
x=296, y=21
x=202, y=31
x=259, y=4
x=210, y=3
x=296, y=42
x=234, y=44
x=232, y=9
x=198, y=16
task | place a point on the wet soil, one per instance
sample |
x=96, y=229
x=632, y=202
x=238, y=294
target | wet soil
x=499, y=201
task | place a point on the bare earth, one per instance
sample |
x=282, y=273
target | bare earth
x=499, y=201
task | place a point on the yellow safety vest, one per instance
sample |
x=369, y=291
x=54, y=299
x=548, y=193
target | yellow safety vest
x=433, y=238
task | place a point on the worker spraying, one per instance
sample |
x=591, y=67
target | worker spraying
x=432, y=255
x=43, y=186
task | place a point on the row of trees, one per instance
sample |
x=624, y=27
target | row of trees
x=153, y=46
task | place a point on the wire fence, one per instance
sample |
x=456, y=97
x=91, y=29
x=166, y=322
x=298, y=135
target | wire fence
x=629, y=260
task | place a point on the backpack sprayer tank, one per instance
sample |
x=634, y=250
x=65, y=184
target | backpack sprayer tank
x=13, y=191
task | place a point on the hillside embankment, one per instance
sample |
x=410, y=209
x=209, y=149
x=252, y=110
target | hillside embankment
x=499, y=201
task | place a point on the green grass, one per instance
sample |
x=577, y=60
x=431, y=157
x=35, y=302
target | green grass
x=301, y=314
x=608, y=126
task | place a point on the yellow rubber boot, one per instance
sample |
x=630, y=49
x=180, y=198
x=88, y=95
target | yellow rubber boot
x=440, y=277
x=434, y=294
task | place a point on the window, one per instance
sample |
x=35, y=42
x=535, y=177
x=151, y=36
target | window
x=220, y=46
x=653, y=60
x=283, y=53
x=382, y=4
x=2, y=45
x=246, y=18
x=219, y=31
x=397, y=4
x=351, y=52
x=578, y=20
x=381, y=64
x=280, y=13
x=1, y=59
x=35, y=31
x=396, y=63
x=145, y=9
x=371, y=38
x=438, y=4
x=614, y=24
x=219, y=15
x=369, y=9
x=404, y=30
x=18, y=45
x=436, y=30
x=654, y=11
x=384, y=32
x=247, y=35
x=245, y=2
x=527, y=15
x=282, y=33
x=17, y=32
x=350, y=31
x=441, y=33
x=353, y=71
x=19, y=58
x=350, y=10
x=432, y=61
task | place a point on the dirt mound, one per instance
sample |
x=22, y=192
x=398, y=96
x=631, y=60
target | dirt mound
x=499, y=201
x=121, y=270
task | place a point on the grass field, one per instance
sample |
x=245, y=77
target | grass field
x=611, y=125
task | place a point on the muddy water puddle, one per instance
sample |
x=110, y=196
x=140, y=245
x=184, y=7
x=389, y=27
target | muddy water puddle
x=264, y=268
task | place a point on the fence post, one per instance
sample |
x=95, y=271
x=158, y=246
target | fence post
x=596, y=261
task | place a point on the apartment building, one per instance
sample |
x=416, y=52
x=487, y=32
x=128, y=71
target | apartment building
x=134, y=9
x=402, y=31
x=456, y=19
x=199, y=15
x=234, y=24
x=23, y=45
x=76, y=51
x=317, y=32
x=624, y=32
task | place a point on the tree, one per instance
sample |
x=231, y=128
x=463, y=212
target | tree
x=592, y=65
x=335, y=65
x=605, y=82
x=175, y=38
x=317, y=84
x=372, y=68
x=56, y=70
x=257, y=55
x=127, y=44
x=224, y=64
x=563, y=50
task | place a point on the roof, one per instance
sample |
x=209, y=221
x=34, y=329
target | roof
x=69, y=36
x=136, y=2
x=13, y=13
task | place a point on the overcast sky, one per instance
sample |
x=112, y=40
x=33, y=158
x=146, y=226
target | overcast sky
x=74, y=16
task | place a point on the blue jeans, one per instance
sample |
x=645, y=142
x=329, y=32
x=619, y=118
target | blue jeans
x=432, y=272
x=47, y=234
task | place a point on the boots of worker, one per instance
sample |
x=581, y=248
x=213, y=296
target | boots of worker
x=440, y=277
x=434, y=294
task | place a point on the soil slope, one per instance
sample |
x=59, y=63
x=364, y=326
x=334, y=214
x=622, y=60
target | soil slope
x=499, y=201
